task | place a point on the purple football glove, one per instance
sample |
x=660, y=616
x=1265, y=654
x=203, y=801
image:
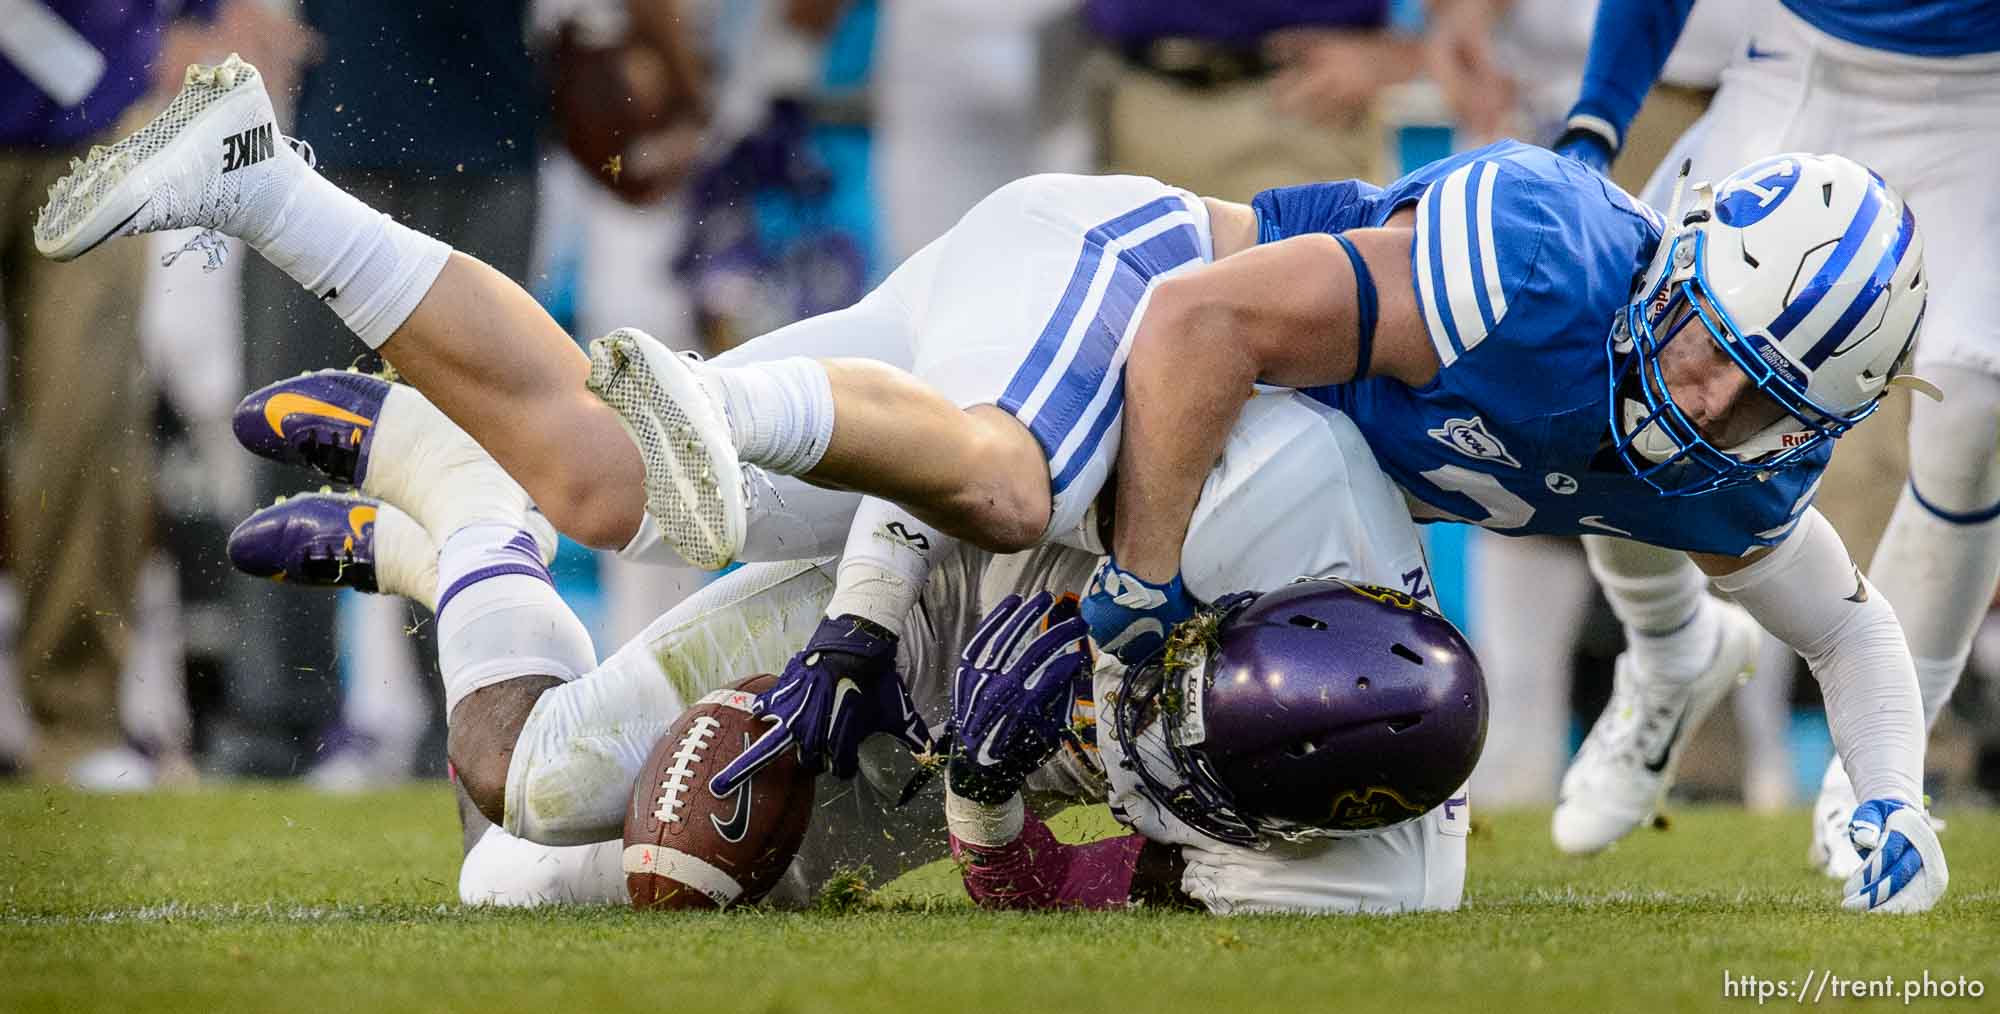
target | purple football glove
x=1011, y=696
x=841, y=689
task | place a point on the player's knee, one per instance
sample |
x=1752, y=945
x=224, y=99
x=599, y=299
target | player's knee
x=1004, y=502
x=593, y=510
x=1003, y=517
x=484, y=729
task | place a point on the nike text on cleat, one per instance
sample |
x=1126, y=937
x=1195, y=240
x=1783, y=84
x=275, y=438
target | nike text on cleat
x=324, y=420
x=1625, y=766
x=316, y=539
x=195, y=165
x=694, y=482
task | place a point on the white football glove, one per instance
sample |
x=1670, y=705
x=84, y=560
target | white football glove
x=1903, y=868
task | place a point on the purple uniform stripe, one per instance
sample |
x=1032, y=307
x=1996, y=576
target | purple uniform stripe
x=520, y=556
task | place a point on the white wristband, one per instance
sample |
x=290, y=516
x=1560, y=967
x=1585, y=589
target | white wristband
x=1597, y=125
x=986, y=826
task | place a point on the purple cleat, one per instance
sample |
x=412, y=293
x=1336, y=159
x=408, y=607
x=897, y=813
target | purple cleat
x=324, y=420
x=317, y=539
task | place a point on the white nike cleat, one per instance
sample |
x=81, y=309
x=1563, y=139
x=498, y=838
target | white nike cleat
x=1831, y=852
x=695, y=488
x=211, y=154
x=1625, y=766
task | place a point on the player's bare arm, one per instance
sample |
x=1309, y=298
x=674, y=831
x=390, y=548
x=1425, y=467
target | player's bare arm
x=1284, y=313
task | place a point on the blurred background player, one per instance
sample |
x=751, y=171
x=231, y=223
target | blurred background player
x=79, y=397
x=996, y=85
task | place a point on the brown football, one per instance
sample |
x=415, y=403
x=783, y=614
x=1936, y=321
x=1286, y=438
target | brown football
x=684, y=848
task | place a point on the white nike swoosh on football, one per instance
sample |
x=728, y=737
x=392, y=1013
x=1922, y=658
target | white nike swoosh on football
x=1597, y=521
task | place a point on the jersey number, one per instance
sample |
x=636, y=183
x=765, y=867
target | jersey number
x=1503, y=508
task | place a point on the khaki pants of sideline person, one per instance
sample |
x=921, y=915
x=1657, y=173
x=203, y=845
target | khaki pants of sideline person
x=76, y=442
x=1225, y=142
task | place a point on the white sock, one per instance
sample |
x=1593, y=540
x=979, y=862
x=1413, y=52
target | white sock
x=1940, y=556
x=1681, y=654
x=780, y=412
x=499, y=616
x=1672, y=627
x=405, y=557
x=1939, y=577
x=423, y=463
x=370, y=269
x=886, y=565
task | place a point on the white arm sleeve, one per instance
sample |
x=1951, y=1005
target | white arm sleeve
x=1808, y=592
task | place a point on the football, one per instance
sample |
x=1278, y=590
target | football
x=687, y=849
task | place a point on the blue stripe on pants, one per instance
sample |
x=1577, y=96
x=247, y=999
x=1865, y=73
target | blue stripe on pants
x=1045, y=348
x=1136, y=269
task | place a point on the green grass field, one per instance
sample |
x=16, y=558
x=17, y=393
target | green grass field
x=268, y=898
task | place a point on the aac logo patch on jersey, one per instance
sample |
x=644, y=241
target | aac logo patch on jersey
x=1470, y=438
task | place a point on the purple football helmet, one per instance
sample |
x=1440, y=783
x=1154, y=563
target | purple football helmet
x=1322, y=709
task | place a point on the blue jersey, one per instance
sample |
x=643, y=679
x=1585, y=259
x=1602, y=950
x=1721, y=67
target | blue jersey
x=1521, y=259
x=1632, y=38
x=1910, y=27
